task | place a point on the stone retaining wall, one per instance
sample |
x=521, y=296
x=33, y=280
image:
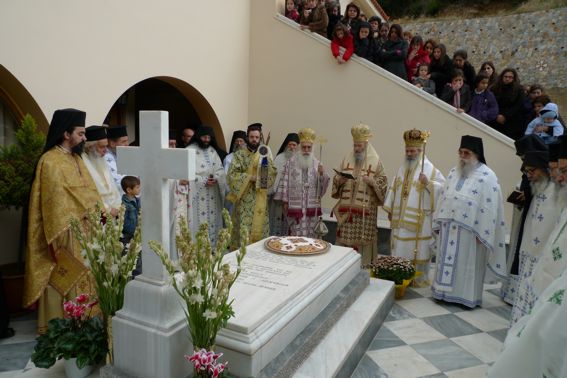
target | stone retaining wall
x=533, y=43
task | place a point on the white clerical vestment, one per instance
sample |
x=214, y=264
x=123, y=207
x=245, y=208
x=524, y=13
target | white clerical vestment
x=536, y=344
x=553, y=260
x=302, y=190
x=110, y=158
x=103, y=180
x=207, y=201
x=540, y=221
x=179, y=207
x=278, y=221
x=510, y=286
x=411, y=207
x=470, y=222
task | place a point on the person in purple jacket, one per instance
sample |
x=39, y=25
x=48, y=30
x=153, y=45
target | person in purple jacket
x=484, y=106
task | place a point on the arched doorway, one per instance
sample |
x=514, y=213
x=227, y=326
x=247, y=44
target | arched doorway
x=15, y=103
x=186, y=106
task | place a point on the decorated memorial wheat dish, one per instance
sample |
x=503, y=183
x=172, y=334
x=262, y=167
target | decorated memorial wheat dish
x=296, y=245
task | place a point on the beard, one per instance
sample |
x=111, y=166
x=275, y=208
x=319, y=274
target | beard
x=562, y=195
x=253, y=146
x=78, y=149
x=359, y=157
x=288, y=153
x=466, y=167
x=203, y=145
x=410, y=164
x=96, y=160
x=305, y=161
x=539, y=186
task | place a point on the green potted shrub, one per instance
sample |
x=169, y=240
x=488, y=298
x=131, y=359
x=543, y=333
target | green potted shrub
x=17, y=165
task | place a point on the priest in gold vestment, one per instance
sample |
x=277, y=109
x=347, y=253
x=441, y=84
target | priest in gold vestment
x=361, y=189
x=250, y=176
x=410, y=204
x=62, y=188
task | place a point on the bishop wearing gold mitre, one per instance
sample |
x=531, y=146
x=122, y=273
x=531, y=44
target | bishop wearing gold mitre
x=62, y=189
x=410, y=204
x=360, y=186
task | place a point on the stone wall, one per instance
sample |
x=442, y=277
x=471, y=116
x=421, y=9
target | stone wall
x=533, y=43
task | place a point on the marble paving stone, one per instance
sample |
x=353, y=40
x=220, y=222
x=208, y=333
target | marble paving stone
x=29, y=315
x=413, y=331
x=496, y=292
x=367, y=368
x=422, y=307
x=398, y=313
x=472, y=372
x=410, y=294
x=504, y=311
x=451, y=325
x=481, y=345
x=483, y=319
x=25, y=332
x=446, y=355
x=15, y=356
x=402, y=362
x=438, y=375
x=491, y=300
x=423, y=291
x=499, y=334
x=385, y=339
x=10, y=374
x=495, y=286
x=451, y=307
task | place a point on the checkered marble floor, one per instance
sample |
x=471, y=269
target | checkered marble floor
x=422, y=337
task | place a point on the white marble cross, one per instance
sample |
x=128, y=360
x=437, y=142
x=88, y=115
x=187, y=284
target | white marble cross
x=154, y=162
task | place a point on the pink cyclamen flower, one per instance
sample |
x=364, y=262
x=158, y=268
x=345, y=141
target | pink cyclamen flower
x=83, y=298
x=194, y=359
x=68, y=307
x=92, y=304
x=215, y=370
x=78, y=312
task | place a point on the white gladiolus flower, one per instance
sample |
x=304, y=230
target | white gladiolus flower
x=101, y=258
x=179, y=279
x=196, y=298
x=87, y=264
x=209, y=314
x=114, y=268
x=198, y=283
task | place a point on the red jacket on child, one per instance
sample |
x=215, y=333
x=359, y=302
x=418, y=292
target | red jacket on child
x=347, y=42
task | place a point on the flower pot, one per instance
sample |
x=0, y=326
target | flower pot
x=401, y=289
x=73, y=371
